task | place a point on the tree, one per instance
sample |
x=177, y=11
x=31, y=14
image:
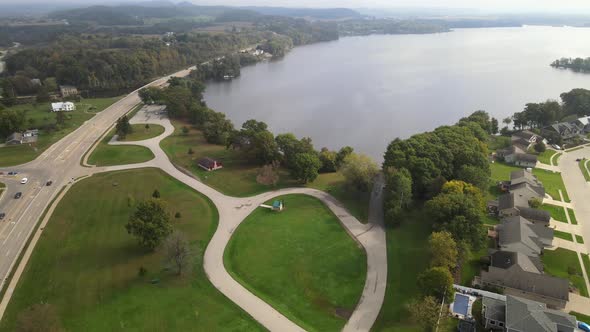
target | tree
x=290, y=146
x=217, y=128
x=535, y=203
x=269, y=174
x=40, y=317
x=425, y=312
x=494, y=126
x=156, y=193
x=474, y=175
x=359, y=171
x=305, y=167
x=60, y=119
x=342, y=154
x=437, y=282
x=42, y=95
x=328, y=159
x=540, y=147
x=123, y=127
x=11, y=121
x=443, y=250
x=398, y=193
x=150, y=223
x=177, y=251
x=577, y=101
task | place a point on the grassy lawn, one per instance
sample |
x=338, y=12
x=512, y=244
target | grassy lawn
x=563, y=235
x=557, y=212
x=39, y=116
x=334, y=184
x=564, y=263
x=586, y=260
x=580, y=317
x=556, y=159
x=140, y=132
x=407, y=256
x=545, y=157
x=552, y=183
x=91, y=278
x=501, y=171
x=236, y=178
x=579, y=239
x=572, y=214
x=110, y=155
x=582, y=164
x=472, y=266
x=301, y=261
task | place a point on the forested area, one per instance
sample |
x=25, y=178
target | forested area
x=575, y=64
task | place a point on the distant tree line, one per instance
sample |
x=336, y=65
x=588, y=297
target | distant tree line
x=577, y=64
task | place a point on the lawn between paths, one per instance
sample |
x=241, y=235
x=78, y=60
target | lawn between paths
x=564, y=263
x=40, y=115
x=301, y=261
x=86, y=266
x=110, y=155
x=238, y=177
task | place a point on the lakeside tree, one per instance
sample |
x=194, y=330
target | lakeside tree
x=305, y=167
x=425, y=312
x=256, y=142
x=359, y=171
x=290, y=146
x=398, y=193
x=437, y=282
x=123, y=127
x=217, y=129
x=177, y=252
x=150, y=223
x=576, y=101
x=443, y=250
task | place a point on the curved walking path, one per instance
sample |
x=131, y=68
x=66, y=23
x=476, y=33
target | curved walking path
x=233, y=210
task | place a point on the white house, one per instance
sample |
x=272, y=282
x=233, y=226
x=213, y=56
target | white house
x=63, y=107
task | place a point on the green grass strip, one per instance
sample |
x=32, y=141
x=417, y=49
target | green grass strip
x=557, y=212
x=573, y=219
x=580, y=239
x=582, y=163
x=580, y=317
x=563, y=235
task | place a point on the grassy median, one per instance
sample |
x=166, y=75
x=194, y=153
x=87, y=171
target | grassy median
x=301, y=261
x=564, y=263
x=553, y=183
x=85, y=265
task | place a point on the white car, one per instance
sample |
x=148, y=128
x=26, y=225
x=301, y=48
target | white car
x=24, y=180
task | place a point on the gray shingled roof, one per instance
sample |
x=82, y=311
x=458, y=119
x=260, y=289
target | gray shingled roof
x=520, y=235
x=526, y=134
x=495, y=309
x=526, y=157
x=525, y=315
x=535, y=215
x=505, y=259
x=515, y=277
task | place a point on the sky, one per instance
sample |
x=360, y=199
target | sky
x=548, y=6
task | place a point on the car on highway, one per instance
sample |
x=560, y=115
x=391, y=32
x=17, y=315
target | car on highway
x=2, y=215
x=49, y=183
x=24, y=180
x=18, y=195
x=12, y=173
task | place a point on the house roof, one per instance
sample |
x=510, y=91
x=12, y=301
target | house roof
x=535, y=214
x=562, y=127
x=584, y=121
x=207, y=162
x=495, y=309
x=520, y=177
x=515, y=277
x=15, y=137
x=525, y=134
x=505, y=259
x=520, y=235
x=526, y=315
x=526, y=157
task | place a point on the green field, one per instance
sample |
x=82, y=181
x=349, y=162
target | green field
x=85, y=265
x=407, y=257
x=236, y=178
x=501, y=171
x=140, y=132
x=110, y=155
x=557, y=212
x=582, y=163
x=301, y=261
x=579, y=239
x=552, y=183
x=580, y=317
x=40, y=115
x=355, y=202
x=564, y=263
x=572, y=214
x=563, y=235
x=545, y=157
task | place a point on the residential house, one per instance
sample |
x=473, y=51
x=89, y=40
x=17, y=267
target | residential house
x=209, y=164
x=536, y=216
x=516, y=234
x=517, y=314
x=63, y=107
x=14, y=139
x=68, y=91
x=523, y=187
x=517, y=155
x=583, y=123
x=565, y=130
x=525, y=139
x=525, y=160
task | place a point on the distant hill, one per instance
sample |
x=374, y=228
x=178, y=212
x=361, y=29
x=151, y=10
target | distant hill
x=318, y=13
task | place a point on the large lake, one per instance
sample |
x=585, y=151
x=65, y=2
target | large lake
x=365, y=91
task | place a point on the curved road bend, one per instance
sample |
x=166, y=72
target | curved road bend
x=233, y=210
x=60, y=163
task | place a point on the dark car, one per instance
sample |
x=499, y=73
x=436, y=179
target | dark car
x=2, y=215
x=12, y=173
x=49, y=183
x=18, y=195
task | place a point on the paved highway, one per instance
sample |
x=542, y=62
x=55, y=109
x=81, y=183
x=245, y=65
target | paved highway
x=60, y=164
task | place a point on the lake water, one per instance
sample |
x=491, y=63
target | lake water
x=365, y=91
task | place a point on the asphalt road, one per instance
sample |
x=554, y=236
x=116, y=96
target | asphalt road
x=60, y=164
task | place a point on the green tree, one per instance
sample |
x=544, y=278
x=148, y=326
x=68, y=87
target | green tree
x=359, y=171
x=474, y=175
x=150, y=223
x=342, y=154
x=437, y=282
x=425, y=312
x=11, y=121
x=60, y=119
x=217, y=129
x=443, y=250
x=535, y=203
x=123, y=127
x=577, y=101
x=328, y=159
x=177, y=252
x=540, y=147
x=306, y=167
x=156, y=193
x=290, y=146
x=398, y=193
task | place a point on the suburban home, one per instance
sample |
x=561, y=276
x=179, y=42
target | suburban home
x=583, y=123
x=536, y=216
x=14, y=139
x=209, y=164
x=63, y=107
x=517, y=155
x=525, y=160
x=565, y=130
x=517, y=314
x=523, y=187
x=519, y=235
x=68, y=91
